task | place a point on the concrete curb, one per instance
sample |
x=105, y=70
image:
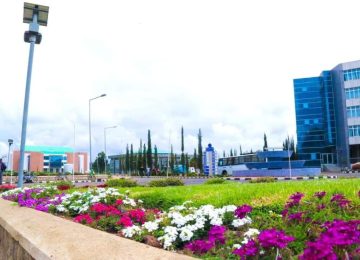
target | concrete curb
x=283, y=178
x=45, y=236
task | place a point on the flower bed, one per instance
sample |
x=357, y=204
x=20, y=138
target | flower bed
x=324, y=226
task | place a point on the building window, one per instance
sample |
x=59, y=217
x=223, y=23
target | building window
x=353, y=111
x=305, y=105
x=313, y=156
x=306, y=121
x=354, y=130
x=352, y=93
x=316, y=121
x=352, y=74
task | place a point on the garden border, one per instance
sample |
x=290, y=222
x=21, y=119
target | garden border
x=44, y=236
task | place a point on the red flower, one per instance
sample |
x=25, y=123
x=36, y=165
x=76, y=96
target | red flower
x=99, y=208
x=63, y=187
x=125, y=221
x=118, y=202
x=84, y=219
x=137, y=215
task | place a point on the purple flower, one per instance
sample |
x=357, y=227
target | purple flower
x=284, y=213
x=200, y=246
x=294, y=200
x=249, y=249
x=320, y=194
x=296, y=216
x=216, y=234
x=241, y=211
x=321, y=206
x=340, y=200
x=341, y=233
x=318, y=251
x=274, y=238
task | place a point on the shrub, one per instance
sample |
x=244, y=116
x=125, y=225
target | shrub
x=63, y=185
x=215, y=181
x=262, y=179
x=166, y=182
x=121, y=183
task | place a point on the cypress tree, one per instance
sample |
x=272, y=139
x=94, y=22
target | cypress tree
x=240, y=150
x=195, y=159
x=149, y=152
x=200, y=162
x=132, y=158
x=182, y=147
x=144, y=157
x=156, y=159
x=231, y=152
x=187, y=163
x=139, y=157
x=127, y=159
x=172, y=159
x=224, y=155
x=265, y=147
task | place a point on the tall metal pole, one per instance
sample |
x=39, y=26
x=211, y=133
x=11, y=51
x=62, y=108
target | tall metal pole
x=26, y=109
x=90, y=136
x=8, y=161
x=105, y=161
x=289, y=159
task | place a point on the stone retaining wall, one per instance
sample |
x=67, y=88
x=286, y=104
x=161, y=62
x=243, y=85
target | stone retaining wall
x=29, y=234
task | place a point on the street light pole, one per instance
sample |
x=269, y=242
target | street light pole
x=103, y=95
x=10, y=141
x=35, y=15
x=105, y=158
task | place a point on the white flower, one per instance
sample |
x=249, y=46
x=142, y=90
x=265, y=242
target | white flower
x=61, y=208
x=151, y=226
x=252, y=232
x=245, y=241
x=237, y=246
x=169, y=237
x=186, y=234
x=241, y=222
x=216, y=221
x=130, y=202
x=229, y=208
x=131, y=231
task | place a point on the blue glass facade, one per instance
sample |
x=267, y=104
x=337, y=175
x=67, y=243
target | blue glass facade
x=315, y=119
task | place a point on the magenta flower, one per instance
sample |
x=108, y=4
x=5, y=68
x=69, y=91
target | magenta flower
x=320, y=194
x=318, y=251
x=274, y=238
x=241, y=211
x=284, y=213
x=294, y=200
x=340, y=200
x=84, y=219
x=99, y=208
x=321, y=206
x=200, y=246
x=249, y=249
x=216, y=234
x=296, y=216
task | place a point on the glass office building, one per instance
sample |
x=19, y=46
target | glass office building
x=328, y=116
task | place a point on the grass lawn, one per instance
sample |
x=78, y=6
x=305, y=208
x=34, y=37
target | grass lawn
x=270, y=195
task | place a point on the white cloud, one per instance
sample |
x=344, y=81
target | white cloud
x=223, y=66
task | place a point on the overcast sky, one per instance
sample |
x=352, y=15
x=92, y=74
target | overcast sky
x=223, y=66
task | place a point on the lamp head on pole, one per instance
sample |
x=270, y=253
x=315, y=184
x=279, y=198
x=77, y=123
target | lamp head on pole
x=34, y=15
x=10, y=141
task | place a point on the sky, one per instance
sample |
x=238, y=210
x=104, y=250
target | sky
x=225, y=67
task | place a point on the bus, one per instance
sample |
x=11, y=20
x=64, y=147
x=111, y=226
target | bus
x=227, y=165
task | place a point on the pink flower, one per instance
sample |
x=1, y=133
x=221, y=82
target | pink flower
x=99, y=208
x=118, y=202
x=84, y=219
x=125, y=221
x=241, y=211
x=137, y=215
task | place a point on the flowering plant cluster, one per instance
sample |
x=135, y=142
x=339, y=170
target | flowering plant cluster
x=5, y=187
x=311, y=227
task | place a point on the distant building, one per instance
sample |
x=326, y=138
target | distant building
x=50, y=159
x=328, y=116
x=210, y=161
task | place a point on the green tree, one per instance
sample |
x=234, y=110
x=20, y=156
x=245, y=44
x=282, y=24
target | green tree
x=132, y=159
x=289, y=144
x=240, y=150
x=193, y=161
x=265, y=147
x=144, y=157
x=156, y=159
x=99, y=163
x=200, y=151
x=172, y=159
x=231, y=153
x=149, y=152
x=182, y=147
x=127, y=159
x=224, y=155
x=139, y=157
x=187, y=162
